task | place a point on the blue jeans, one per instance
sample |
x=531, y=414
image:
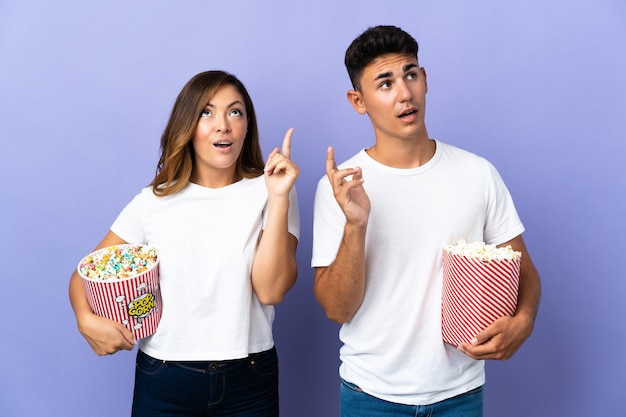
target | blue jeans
x=242, y=387
x=356, y=403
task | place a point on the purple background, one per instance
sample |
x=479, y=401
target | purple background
x=537, y=87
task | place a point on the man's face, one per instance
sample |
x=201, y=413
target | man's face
x=393, y=94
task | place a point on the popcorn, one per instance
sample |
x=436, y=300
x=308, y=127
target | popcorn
x=480, y=285
x=122, y=284
x=483, y=251
x=118, y=262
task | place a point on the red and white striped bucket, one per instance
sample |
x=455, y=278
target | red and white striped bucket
x=475, y=294
x=134, y=301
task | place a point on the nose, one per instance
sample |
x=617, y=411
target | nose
x=223, y=125
x=404, y=92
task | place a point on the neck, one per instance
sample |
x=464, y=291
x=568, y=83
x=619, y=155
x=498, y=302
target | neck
x=403, y=154
x=214, y=179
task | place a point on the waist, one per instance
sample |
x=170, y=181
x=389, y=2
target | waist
x=212, y=365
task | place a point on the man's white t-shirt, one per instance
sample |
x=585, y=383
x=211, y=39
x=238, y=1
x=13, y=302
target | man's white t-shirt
x=393, y=347
x=206, y=239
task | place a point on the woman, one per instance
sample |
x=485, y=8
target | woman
x=225, y=225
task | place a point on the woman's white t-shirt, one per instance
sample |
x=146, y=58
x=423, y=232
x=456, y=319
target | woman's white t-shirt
x=206, y=239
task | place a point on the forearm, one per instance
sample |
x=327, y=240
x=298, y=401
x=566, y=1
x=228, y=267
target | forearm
x=77, y=293
x=529, y=292
x=78, y=297
x=340, y=287
x=274, y=269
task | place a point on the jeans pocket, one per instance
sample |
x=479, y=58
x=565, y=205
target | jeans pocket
x=351, y=386
x=265, y=364
x=148, y=365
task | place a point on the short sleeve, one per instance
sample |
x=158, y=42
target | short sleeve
x=502, y=222
x=128, y=224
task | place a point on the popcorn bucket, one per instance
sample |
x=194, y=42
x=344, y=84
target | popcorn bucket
x=132, y=297
x=475, y=294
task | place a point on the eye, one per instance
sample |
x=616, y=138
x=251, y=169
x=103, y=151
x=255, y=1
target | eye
x=385, y=84
x=236, y=112
x=205, y=113
x=411, y=75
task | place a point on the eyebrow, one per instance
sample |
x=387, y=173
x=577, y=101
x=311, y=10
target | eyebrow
x=239, y=102
x=388, y=74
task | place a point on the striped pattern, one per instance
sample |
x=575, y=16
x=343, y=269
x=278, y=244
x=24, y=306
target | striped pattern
x=134, y=302
x=475, y=294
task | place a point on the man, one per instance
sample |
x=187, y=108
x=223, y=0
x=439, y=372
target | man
x=381, y=221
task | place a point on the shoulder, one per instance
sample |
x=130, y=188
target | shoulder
x=254, y=182
x=452, y=151
x=462, y=158
x=148, y=198
x=145, y=194
x=250, y=185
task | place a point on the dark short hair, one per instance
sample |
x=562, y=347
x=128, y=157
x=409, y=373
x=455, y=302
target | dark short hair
x=373, y=43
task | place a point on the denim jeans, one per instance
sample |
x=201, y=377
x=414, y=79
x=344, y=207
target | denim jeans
x=356, y=403
x=242, y=387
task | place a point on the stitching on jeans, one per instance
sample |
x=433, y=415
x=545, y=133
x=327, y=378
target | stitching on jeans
x=189, y=368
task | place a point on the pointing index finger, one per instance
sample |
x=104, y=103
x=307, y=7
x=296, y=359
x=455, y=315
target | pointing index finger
x=287, y=144
x=331, y=165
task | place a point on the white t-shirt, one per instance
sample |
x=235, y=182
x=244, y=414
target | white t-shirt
x=206, y=239
x=392, y=347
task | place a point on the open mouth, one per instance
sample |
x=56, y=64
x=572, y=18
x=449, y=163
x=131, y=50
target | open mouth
x=223, y=144
x=407, y=113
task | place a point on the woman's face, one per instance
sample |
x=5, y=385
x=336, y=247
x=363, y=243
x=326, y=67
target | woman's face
x=219, y=137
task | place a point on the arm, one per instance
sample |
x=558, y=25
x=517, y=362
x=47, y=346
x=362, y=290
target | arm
x=103, y=335
x=340, y=287
x=505, y=336
x=274, y=269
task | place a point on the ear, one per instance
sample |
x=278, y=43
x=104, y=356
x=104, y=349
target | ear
x=356, y=100
x=425, y=79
